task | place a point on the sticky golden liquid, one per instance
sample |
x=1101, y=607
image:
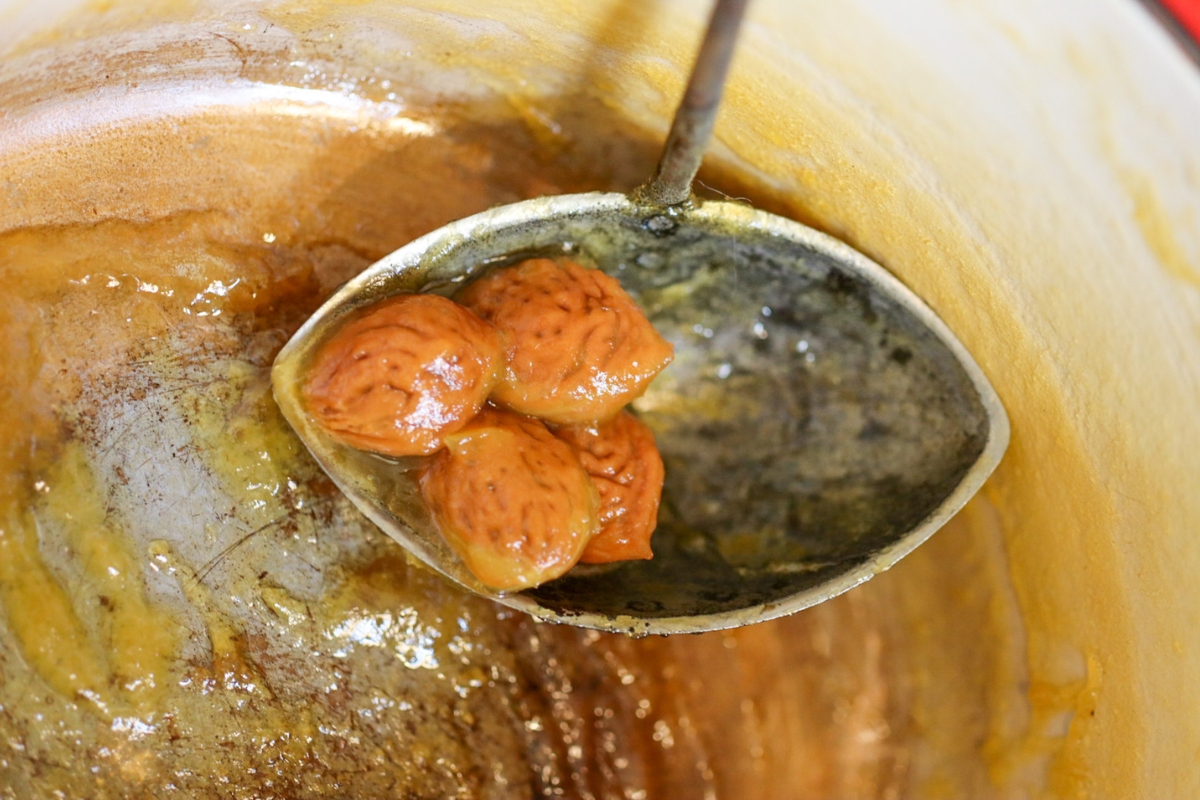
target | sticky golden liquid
x=188, y=603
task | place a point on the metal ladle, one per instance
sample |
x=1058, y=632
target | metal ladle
x=818, y=422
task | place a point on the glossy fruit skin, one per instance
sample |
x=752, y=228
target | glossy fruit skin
x=512, y=500
x=577, y=345
x=624, y=463
x=405, y=373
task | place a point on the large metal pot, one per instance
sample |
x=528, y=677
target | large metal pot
x=1031, y=170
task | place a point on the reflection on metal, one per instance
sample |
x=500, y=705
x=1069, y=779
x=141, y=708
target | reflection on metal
x=819, y=421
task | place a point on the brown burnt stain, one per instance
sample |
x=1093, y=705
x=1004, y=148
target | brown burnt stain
x=386, y=676
x=376, y=678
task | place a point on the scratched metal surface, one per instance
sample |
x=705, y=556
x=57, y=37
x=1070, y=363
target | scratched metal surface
x=817, y=421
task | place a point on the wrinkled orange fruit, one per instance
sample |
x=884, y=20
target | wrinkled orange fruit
x=578, y=347
x=401, y=376
x=623, y=462
x=512, y=500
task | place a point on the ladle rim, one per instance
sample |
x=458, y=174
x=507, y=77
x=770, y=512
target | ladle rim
x=372, y=284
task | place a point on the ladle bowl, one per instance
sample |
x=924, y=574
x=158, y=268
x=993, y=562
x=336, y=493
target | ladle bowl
x=818, y=422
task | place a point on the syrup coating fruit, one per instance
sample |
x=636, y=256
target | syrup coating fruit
x=623, y=462
x=512, y=500
x=578, y=347
x=407, y=372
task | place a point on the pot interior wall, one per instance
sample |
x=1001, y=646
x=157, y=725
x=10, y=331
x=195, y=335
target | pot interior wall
x=1032, y=173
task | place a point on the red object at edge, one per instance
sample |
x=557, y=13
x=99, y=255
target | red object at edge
x=1188, y=14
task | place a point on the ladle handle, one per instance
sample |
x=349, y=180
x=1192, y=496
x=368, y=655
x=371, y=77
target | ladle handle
x=693, y=124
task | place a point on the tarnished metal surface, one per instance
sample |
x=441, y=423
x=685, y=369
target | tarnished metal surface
x=817, y=424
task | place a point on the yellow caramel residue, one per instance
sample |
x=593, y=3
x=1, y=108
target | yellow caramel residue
x=246, y=442
x=141, y=638
x=1084, y=540
x=120, y=657
x=41, y=618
